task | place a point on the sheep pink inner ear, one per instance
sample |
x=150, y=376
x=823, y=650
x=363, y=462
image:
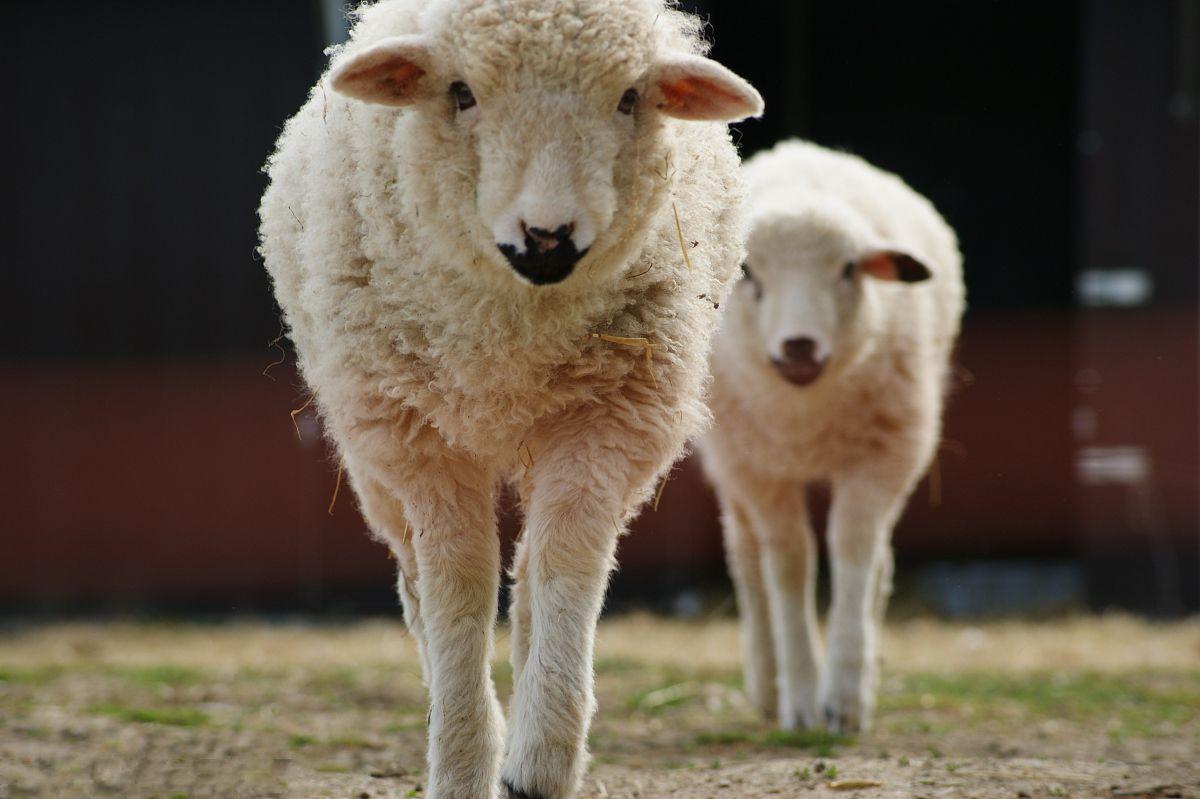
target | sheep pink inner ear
x=696, y=88
x=895, y=266
x=387, y=73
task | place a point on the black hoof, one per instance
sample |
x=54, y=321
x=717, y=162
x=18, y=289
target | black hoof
x=513, y=793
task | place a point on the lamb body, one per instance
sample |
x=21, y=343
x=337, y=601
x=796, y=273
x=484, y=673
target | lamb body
x=831, y=367
x=447, y=350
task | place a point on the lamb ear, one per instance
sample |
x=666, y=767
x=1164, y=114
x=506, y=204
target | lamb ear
x=386, y=73
x=894, y=265
x=696, y=88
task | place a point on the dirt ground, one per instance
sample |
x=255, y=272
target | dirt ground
x=1085, y=707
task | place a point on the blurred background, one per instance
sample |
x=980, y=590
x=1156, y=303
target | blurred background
x=152, y=464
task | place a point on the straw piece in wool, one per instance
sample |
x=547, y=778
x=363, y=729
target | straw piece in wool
x=631, y=341
x=336, y=486
x=294, y=413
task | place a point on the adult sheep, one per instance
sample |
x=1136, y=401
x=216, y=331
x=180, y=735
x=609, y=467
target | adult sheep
x=831, y=365
x=498, y=230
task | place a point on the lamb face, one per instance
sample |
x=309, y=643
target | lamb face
x=530, y=117
x=808, y=294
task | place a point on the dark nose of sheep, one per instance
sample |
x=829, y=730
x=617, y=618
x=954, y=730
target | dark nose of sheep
x=799, y=364
x=549, y=255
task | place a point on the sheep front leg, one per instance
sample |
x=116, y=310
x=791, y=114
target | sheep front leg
x=745, y=567
x=588, y=473
x=518, y=609
x=571, y=540
x=789, y=565
x=458, y=556
x=861, y=518
x=385, y=516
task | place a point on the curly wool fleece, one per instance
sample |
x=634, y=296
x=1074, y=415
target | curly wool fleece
x=395, y=294
x=399, y=197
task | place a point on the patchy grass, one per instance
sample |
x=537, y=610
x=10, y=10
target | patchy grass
x=820, y=742
x=331, y=768
x=36, y=675
x=167, y=674
x=171, y=716
x=298, y=712
x=1140, y=703
x=152, y=676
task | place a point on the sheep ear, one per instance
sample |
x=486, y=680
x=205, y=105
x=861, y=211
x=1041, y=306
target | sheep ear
x=389, y=72
x=696, y=88
x=895, y=266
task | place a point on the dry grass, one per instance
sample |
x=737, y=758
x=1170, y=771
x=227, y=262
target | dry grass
x=1110, y=643
x=1083, y=707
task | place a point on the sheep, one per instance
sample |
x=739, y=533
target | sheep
x=830, y=366
x=498, y=231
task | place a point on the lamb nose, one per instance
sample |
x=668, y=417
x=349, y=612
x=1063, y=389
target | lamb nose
x=800, y=350
x=546, y=240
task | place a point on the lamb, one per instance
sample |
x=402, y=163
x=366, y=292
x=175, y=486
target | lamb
x=498, y=230
x=831, y=365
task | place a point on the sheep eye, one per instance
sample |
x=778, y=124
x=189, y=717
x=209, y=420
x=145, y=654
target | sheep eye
x=848, y=270
x=628, y=101
x=748, y=276
x=461, y=92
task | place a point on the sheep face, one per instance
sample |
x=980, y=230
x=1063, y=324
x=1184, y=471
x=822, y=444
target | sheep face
x=811, y=292
x=538, y=125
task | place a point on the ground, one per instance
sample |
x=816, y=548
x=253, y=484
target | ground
x=1083, y=707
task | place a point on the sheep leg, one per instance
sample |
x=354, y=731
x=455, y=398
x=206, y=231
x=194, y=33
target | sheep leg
x=789, y=565
x=518, y=609
x=864, y=511
x=385, y=516
x=449, y=501
x=883, y=584
x=571, y=542
x=745, y=567
x=591, y=469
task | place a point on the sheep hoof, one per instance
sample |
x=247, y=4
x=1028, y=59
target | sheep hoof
x=514, y=793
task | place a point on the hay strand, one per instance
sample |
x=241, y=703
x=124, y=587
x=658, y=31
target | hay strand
x=631, y=341
x=525, y=455
x=336, y=486
x=679, y=231
x=662, y=484
x=282, y=356
x=298, y=411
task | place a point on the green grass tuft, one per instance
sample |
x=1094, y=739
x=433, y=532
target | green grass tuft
x=161, y=675
x=36, y=675
x=1140, y=703
x=173, y=716
x=332, y=768
x=820, y=742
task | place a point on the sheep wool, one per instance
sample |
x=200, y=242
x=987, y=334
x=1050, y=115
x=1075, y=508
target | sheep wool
x=499, y=231
x=831, y=366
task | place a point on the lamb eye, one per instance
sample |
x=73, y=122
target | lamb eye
x=748, y=276
x=461, y=92
x=628, y=101
x=848, y=270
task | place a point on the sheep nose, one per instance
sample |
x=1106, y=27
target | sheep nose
x=549, y=256
x=802, y=349
x=799, y=364
x=546, y=240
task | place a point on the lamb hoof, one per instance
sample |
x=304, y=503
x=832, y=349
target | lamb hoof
x=513, y=793
x=843, y=722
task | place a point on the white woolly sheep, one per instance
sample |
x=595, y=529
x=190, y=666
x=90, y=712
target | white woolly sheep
x=831, y=365
x=498, y=230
